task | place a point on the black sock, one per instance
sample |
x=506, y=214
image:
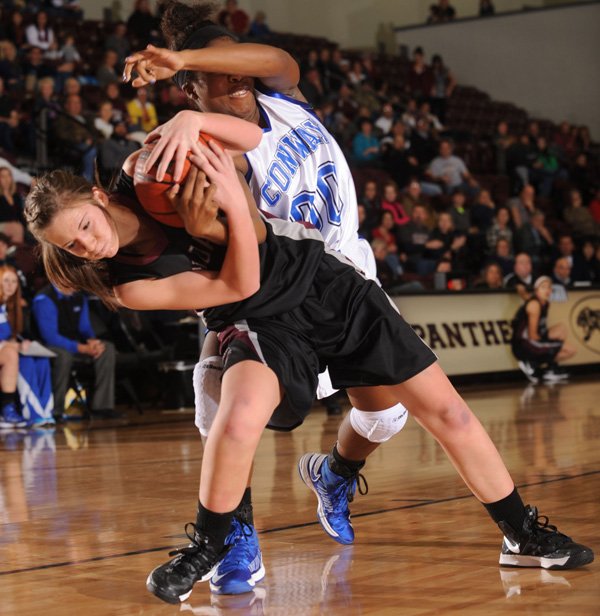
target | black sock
x=341, y=466
x=215, y=525
x=510, y=509
x=244, y=509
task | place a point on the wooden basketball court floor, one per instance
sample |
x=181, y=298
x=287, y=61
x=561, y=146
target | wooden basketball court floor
x=88, y=510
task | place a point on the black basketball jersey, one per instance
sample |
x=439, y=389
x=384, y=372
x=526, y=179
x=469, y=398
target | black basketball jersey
x=289, y=259
x=521, y=321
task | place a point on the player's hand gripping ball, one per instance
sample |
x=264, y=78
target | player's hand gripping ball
x=151, y=193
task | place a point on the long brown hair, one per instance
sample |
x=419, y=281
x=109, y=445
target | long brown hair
x=14, y=308
x=54, y=192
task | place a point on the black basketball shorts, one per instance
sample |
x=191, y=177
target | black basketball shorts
x=346, y=324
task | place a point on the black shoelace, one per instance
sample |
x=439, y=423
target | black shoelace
x=199, y=550
x=541, y=527
x=363, y=488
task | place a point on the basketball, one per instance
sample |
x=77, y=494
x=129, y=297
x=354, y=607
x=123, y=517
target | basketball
x=151, y=193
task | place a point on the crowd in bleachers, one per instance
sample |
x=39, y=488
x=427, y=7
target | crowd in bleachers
x=448, y=180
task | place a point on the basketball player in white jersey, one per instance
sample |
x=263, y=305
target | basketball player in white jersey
x=298, y=173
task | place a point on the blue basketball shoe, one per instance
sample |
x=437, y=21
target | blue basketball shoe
x=11, y=418
x=242, y=566
x=334, y=492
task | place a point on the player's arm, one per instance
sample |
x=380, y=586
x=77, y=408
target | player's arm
x=175, y=138
x=273, y=66
x=239, y=276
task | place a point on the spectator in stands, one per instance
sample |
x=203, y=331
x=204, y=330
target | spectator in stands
x=491, y=277
x=331, y=73
x=15, y=30
x=370, y=199
x=459, y=211
x=113, y=151
x=391, y=203
x=594, y=206
x=9, y=120
x=446, y=242
x=482, y=212
x=502, y=255
x=537, y=346
x=64, y=325
x=590, y=264
x=142, y=112
x=107, y=71
x=561, y=273
x=413, y=237
x=310, y=61
x=521, y=278
x=10, y=67
x=502, y=141
x=234, y=19
x=71, y=86
x=142, y=25
x=40, y=34
x=399, y=162
x=387, y=231
x=500, y=229
x=103, y=119
x=523, y=206
x=390, y=280
x=486, y=8
x=565, y=142
x=12, y=222
x=65, y=8
x=34, y=384
x=365, y=225
x=344, y=102
x=446, y=11
x=535, y=239
x=9, y=372
x=119, y=43
x=424, y=147
x=259, y=29
x=34, y=69
x=443, y=84
x=583, y=176
x=579, y=217
x=69, y=52
x=385, y=121
x=365, y=146
x=414, y=195
x=420, y=78
x=411, y=114
x=21, y=177
x=546, y=168
x=520, y=155
x=566, y=249
x=312, y=87
x=434, y=122
x=450, y=170
x=356, y=75
x=77, y=135
x=112, y=93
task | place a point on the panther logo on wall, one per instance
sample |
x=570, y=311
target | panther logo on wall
x=585, y=322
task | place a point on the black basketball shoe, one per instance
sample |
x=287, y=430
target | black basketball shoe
x=539, y=544
x=173, y=582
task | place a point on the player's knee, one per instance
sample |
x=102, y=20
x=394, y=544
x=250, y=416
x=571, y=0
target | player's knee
x=207, y=391
x=242, y=421
x=379, y=426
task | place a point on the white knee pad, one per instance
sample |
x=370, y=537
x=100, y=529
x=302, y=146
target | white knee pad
x=379, y=426
x=207, y=391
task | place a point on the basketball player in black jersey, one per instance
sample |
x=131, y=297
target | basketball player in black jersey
x=312, y=309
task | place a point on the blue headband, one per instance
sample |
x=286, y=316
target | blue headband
x=198, y=40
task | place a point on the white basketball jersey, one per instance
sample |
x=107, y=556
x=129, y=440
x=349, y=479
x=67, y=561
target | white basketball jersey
x=298, y=172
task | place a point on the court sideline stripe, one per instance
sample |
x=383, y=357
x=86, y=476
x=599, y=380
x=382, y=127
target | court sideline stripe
x=415, y=505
